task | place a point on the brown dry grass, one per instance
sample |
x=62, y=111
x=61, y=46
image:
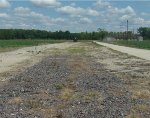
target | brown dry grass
x=141, y=94
x=140, y=107
x=15, y=100
x=7, y=49
x=133, y=116
x=93, y=95
x=66, y=94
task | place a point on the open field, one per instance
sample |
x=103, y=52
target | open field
x=6, y=45
x=78, y=80
x=136, y=44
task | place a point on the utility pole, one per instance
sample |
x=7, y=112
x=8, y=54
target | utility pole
x=127, y=28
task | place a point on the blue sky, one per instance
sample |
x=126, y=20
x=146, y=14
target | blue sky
x=74, y=15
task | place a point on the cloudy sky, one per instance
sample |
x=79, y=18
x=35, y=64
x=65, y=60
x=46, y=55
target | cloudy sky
x=74, y=15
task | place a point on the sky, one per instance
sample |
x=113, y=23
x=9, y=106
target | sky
x=74, y=15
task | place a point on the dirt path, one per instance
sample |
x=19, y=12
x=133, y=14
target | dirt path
x=141, y=53
x=24, y=57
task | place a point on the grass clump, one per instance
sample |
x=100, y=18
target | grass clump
x=23, y=43
x=88, y=96
x=93, y=95
x=33, y=104
x=59, y=86
x=142, y=94
x=140, y=107
x=66, y=94
x=15, y=100
x=76, y=50
x=132, y=116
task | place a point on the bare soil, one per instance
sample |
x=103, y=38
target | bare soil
x=15, y=61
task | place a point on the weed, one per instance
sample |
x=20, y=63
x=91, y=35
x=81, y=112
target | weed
x=140, y=107
x=76, y=50
x=34, y=104
x=66, y=94
x=59, y=86
x=142, y=94
x=15, y=100
x=132, y=116
x=93, y=95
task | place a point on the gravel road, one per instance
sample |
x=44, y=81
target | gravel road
x=72, y=89
x=70, y=85
x=141, y=53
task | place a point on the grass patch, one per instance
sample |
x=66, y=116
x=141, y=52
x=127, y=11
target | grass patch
x=23, y=43
x=133, y=116
x=66, y=94
x=34, y=104
x=93, y=95
x=140, y=107
x=59, y=86
x=76, y=50
x=88, y=96
x=141, y=94
x=136, y=44
x=15, y=100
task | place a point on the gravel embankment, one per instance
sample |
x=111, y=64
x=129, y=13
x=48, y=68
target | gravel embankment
x=65, y=87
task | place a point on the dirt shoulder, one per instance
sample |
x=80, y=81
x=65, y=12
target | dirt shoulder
x=141, y=53
x=133, y=71
x=15, y=61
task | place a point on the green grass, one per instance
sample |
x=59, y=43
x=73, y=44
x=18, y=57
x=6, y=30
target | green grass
x=135, y=44
x=76, y=50
x=23, y=43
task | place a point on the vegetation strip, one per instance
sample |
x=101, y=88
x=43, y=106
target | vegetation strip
x=135, y=44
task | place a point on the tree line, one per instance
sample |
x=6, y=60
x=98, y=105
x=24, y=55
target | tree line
x=144, y=32
x=100, y=34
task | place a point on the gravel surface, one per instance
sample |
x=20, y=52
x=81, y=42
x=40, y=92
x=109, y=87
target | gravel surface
x=66, y=86
x=48, y=89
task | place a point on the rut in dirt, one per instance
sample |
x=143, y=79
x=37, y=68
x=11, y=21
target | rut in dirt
x=65, y=87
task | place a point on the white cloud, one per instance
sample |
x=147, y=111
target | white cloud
x=145, y=14
x=58, y=20
x=140, y=21
x=85, y=20
x=101, y=4
x=26, y=18
x=101, y=14
x=26, y=12
x=77, y=11
x=22, y=11
x=4, y=15
x=4, y=3
x=125, y=17
x=51, y=3
x=128, y=10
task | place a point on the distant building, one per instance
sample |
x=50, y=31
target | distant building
x=140, y=38
x=109, y=39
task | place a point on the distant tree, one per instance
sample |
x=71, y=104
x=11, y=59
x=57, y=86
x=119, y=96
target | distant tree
x=144, y=32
